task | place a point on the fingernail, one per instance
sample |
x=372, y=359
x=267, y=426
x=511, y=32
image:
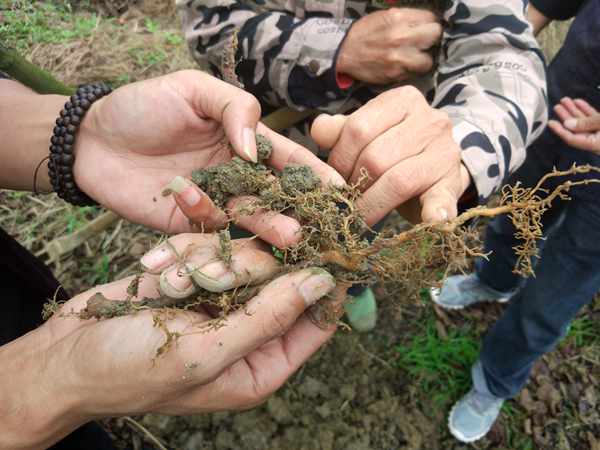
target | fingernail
x=249, y=142
x=186, y=190
x=176, y=282
x=214, y=277
x=316, y=286
x=443, y=214
x=157, y=259
x=571, y=124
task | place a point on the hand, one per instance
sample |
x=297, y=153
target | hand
x=537, y=19
x=136, y=140
x=70, y=370
x=580, y=127
x=389, y=46
x=407, y=149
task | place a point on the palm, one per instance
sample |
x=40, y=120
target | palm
x=139, y=152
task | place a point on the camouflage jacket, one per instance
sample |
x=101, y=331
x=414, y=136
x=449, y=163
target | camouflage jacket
x=490, y=77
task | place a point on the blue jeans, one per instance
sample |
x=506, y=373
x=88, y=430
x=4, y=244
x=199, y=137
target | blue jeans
x=568, y=273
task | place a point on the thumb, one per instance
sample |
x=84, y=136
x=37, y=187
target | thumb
x=439, y=202
x=327, y=129
x=584, y=124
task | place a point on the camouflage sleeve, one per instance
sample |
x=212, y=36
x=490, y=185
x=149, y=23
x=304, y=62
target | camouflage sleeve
x=281, y=59
x=492, y=82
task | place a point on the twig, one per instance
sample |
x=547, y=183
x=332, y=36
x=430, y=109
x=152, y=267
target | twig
x=65, y=244
x=375, y=357
x=142, y=429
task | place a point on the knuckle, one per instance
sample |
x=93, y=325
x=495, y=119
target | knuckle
x=358, y=129
x=277, y=323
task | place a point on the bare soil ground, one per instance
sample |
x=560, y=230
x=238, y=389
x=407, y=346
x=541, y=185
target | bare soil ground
x=389, y=389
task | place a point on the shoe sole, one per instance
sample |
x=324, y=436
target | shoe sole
x=457, y=434
x=435, y=297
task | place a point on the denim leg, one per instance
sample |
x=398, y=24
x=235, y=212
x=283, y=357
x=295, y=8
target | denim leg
x=567, y=278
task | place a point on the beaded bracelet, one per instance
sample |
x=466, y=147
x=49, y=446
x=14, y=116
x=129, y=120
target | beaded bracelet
x=62, y=158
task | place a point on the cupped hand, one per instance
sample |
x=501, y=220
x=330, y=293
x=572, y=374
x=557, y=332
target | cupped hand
x=390, y=46
x=407, y=149
x=110, y=366
x=579, y=124
x=133, y=142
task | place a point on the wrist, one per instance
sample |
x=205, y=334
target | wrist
x=36, y=404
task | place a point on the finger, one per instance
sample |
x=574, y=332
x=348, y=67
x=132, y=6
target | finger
x=405, y=180
x=588, y=142
x=272, y=227
x=439, y=202
x=428, y=35
x=327, y=129
x=584, y=124
x=270, y=314
x=250, y=263
x=583, y=105
x=196, y=205
x=418, y=62
x=374, y=118
x=286, y=152
x=412, y=16
x=169, y=252
x=570, y=106
x=562, y=112
x=402, y=141
x=237, y=110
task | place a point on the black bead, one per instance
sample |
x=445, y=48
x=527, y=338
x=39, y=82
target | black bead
x=75, y=120
x=68, y=106
x=69, y=139
x=56, y=130
x=98, y=92
x=84, y=103
x=61, y=140
x=71, y=129
x=66, y=121
x=55, y=149
x=54, y=140
x=64, y=169
x=91, y=97
x=67, y=176
x=66, y=159
x=69, y=185
x=78, y=111
x=67, y=148
x=63, y=112
x=73, y=97
x=77, y=103
x=60, y=121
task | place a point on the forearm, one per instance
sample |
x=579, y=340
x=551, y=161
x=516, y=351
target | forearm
x=279, y=58
x=26, y=123
x=36, y=406
x=491, y=82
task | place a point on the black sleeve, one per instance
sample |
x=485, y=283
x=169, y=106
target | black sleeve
x=558, y=9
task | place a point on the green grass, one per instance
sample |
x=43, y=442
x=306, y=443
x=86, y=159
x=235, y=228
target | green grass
x=583, y=332
x=440, y=365
x=99, y=271
x=26, y=23
x=77, y=217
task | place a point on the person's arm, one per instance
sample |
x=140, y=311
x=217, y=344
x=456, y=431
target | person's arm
x=70, y=370
x=537, y=19
x=281, y=59
x=27, y=120
x=491, y=81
